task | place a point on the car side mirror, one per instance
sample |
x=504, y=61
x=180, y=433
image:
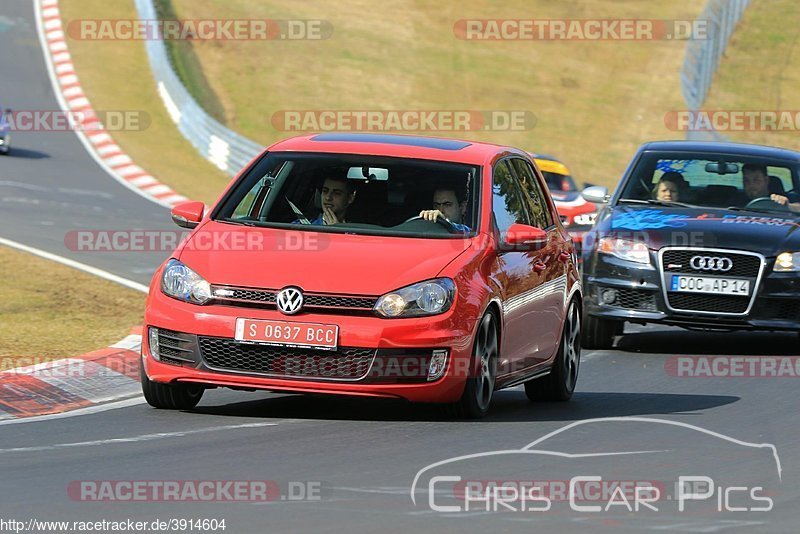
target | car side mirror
x=596, y=194
x=188, y=214
x=524, y=237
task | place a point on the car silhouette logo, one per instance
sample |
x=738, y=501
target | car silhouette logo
x=290, y=300
x=711, y=263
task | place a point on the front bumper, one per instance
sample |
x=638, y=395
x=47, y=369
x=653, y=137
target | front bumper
x=396, y=353
x=640, y=298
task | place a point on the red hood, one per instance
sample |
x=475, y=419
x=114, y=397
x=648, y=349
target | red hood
x=314, y=261
x=576, y=206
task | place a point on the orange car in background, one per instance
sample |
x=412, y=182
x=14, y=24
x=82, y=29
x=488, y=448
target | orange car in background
x=577, y=214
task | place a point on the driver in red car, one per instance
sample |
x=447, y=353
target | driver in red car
x=446, y=204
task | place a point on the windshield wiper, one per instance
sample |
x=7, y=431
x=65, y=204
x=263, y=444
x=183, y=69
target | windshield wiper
x=763, y=210
x=656, y=202
x=242, y=222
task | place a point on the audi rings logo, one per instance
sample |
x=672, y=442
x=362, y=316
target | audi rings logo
x=290, y=300
x=711, y=263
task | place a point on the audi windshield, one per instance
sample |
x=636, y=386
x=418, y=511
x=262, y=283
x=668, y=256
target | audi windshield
x=714, y=181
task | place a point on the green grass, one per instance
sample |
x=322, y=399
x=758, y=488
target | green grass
x=761, y=69
x=115, y=75
x=49, y=311
x=595, y=101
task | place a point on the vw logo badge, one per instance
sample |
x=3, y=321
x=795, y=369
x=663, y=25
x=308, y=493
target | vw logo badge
x=290, y=300
x=711, y=263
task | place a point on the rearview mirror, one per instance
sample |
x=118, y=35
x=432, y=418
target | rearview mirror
x=188, y=214
x=368, y=173
x=524, y=237
x=722, y=168
x=596, y=194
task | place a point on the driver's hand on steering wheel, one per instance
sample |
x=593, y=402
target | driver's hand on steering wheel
x=779, y=199
x=431, y=215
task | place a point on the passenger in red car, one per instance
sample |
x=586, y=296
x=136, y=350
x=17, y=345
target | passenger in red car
x=337, y=195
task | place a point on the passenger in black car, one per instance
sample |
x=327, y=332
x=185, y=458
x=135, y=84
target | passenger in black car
x=670, y=187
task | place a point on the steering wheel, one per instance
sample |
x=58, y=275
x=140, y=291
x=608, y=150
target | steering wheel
x=440, y=220
x=767, y=203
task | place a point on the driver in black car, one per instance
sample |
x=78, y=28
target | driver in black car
x=446, y=204
x=755, y=181
x=756, y=185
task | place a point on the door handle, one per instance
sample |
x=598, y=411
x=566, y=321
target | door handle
x=539, y=266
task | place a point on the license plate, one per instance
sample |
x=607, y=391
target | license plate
x=707, y=284
x=287, y=333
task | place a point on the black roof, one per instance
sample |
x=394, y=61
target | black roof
x=387, y=139
x=743, y=149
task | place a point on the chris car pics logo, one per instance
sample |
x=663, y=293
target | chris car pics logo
x=533, y=480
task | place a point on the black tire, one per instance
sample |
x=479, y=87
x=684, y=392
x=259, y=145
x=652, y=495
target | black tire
x=479, y=388
x=599, y=333
x=560, y=383
x=170, y=396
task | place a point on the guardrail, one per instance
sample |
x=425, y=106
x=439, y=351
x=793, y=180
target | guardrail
x=703, y=56
x=220, y=145
x=230, y=151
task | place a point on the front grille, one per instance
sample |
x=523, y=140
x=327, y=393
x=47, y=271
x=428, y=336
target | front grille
x=253, y=295
x=243, y=296
x=744, y=265
x=677, y=261
x=346, y=363
x=330, y=301
x=708, y=303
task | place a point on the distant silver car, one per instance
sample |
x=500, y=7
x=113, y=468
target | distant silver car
x=5, y=131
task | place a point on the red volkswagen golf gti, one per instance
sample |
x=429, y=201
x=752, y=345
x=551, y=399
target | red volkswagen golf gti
x=432, y=270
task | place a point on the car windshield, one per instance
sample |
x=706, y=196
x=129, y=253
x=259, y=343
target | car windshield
x=559, y=182
x=356, y=194
x=711, y=180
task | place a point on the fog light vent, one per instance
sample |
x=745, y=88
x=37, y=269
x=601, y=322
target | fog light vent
x=438, y=364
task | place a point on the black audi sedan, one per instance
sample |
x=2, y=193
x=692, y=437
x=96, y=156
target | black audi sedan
x=703, y=235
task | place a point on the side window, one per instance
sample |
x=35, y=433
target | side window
x=506, y=204
x=537, y=202
x=245, y=207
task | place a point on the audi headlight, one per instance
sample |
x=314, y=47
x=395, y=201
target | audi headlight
x=626, y=249
x=424, y=298
x=180, y=282
x=787, y=262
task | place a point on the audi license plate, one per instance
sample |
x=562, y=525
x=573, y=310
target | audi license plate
x=706, y=284
x=287, y=333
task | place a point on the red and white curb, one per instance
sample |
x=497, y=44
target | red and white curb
x=95, y=137
x=98, y=377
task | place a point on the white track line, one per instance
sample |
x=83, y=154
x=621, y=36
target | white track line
x=75, y=413
x=76, y=265
x=134, y=439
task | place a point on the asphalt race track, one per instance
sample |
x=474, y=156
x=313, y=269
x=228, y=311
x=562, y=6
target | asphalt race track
x=354, y=460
